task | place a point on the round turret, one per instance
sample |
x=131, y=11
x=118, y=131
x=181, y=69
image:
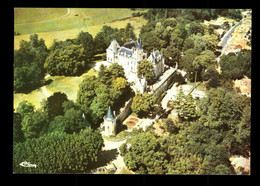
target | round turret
x=110, y=123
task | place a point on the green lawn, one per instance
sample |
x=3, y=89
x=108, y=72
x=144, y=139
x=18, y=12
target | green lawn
x=67, y=85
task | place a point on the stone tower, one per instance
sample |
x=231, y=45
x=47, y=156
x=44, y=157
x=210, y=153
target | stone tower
x=110, y=123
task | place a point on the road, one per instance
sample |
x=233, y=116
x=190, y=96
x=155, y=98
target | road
x=226, y=38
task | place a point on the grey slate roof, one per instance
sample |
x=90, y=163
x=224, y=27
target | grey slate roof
x=126, y=50
x=109, y=115
x=135, y=44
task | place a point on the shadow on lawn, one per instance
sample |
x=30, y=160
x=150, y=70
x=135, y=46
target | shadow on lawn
x=105, y=157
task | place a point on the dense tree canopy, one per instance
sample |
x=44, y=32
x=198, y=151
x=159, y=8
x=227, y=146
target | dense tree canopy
x=145, y=155
x=236, y=66
x=71, y=122
x=67, y=59
x=87, y=42
x=18, y=135
x=53, y=105
x=104, y=37
x=95, y=95
x=143, y=104
x=59, y=152
x=28, y=62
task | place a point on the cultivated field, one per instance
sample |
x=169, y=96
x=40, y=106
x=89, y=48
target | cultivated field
x=66, y=23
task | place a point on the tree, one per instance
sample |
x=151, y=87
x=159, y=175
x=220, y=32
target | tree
x=227, y=112
x=71, y=122
x=25, y=108
x=178, y=103
x=211, y=42
x=172, y=55
x=116, y=71
x=171, y=126
x=185, y=106
x=143, y=104
x=169, y=22
x=151, y=41
x=107, y=75
x=86, y=40
x=212, y=76
x=195, y=28
x=236, y=66
x=53, y=105
x=201, y=62
x=34, y=124
x=29, y=60
x=59, y=152
x=100, y=103
x=69, y=59
x=104, y=37
x=86, y=92
x=120, y=85
x=189, y=108
x=145, y=155
x=146, y=69
x=18, y=135
x=123, y=149
x=177, y=39
x=188, y=43
x=186, y=62
x=129, y=32
x=223, y=170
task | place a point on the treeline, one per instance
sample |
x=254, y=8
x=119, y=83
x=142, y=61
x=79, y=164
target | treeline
x=70, y=58
x=176, y=36
x=192, y=14
x=200, y=141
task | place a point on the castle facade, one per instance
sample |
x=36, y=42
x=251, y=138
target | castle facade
x=129, y=56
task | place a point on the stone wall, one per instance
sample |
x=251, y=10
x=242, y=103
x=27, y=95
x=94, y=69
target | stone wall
x=164, y=84
x=125, y=112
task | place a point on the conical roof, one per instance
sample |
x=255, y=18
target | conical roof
x=109, y=115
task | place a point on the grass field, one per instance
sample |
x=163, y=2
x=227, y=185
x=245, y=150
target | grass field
x=67, y=85
x=61, y=24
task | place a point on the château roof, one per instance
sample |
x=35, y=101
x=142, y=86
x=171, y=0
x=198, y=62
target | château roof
x=134, y=44
x=109, y=115
x=126, y=50
x=114, y=45
x=154, y=56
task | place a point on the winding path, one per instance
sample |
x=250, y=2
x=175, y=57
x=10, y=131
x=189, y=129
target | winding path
x=68, y=12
